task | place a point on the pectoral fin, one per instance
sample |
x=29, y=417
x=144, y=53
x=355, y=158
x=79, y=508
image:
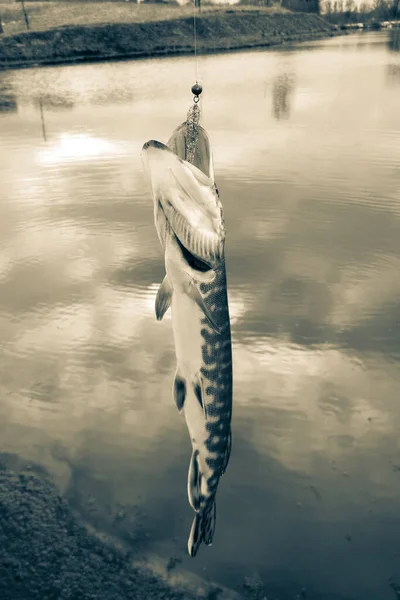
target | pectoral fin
x=179, y=391
x=163, y=298
x=194, y=482
x=195, y=295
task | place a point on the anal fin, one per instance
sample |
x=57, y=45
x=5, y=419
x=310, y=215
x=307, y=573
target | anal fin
x=163, y=298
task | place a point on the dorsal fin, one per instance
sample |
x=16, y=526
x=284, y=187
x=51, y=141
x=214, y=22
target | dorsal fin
x=199, y=392
x=227, y=453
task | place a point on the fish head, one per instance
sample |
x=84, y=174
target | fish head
x=187, y=211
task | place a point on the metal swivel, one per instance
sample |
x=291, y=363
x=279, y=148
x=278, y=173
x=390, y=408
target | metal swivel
x=196, y=90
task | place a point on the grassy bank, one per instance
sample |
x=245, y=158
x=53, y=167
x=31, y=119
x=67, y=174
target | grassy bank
x=49, y=14
x=47, y=553
x=217, y=29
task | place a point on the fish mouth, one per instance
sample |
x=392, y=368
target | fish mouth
x=154, y=144
x=190, y=142
x=190, y=202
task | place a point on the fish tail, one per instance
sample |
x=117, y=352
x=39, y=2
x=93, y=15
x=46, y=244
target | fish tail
x=203, y=528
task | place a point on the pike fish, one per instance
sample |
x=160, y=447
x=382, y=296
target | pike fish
x=189, y=220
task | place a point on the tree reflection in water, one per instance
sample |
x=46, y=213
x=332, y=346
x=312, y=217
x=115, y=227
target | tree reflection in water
x=394, y=39
x=281, y=91
x=8, y=101
x=393, y=43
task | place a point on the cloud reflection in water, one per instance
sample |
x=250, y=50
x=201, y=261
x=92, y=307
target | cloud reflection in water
x=76, y=147
x=313, y=247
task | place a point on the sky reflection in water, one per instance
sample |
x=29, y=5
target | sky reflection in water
x=307, y=158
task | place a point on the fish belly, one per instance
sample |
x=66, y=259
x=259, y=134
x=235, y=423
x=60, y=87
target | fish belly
x=187, y=325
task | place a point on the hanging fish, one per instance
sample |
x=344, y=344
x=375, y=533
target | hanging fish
x=190, y=225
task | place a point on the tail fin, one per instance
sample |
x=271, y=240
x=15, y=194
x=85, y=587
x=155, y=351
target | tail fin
x=202, y=530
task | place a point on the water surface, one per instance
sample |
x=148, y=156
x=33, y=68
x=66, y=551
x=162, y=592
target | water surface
x=306, y=145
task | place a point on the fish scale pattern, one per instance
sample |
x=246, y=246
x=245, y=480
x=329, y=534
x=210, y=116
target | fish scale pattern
x=217, y=376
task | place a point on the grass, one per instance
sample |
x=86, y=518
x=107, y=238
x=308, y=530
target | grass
x=73, y=32
x=47, y=15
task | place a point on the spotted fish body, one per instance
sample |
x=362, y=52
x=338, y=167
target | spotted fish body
x=214, y=446
x=189, y=221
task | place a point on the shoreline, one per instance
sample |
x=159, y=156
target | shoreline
x=49, y=551
x=225, y=31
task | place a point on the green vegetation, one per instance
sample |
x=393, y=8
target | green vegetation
x=347, y=11
x=160, y=34
x=46, y=553
x=51, y=14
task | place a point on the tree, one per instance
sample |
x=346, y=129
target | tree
x=365, y=8
x=350, y=6
x=383, y=9
x=25, y=14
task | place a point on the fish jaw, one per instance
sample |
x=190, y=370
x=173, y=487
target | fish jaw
x=181, y=140
x=189, y=201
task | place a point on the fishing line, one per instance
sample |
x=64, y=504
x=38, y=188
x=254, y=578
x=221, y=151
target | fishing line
x=196, y=88
x=195, y=38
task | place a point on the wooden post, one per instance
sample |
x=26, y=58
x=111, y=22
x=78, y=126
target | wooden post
x=42, y=119
x=25, y=15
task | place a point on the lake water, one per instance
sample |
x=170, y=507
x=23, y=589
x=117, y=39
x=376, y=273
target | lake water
x=306, y=145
